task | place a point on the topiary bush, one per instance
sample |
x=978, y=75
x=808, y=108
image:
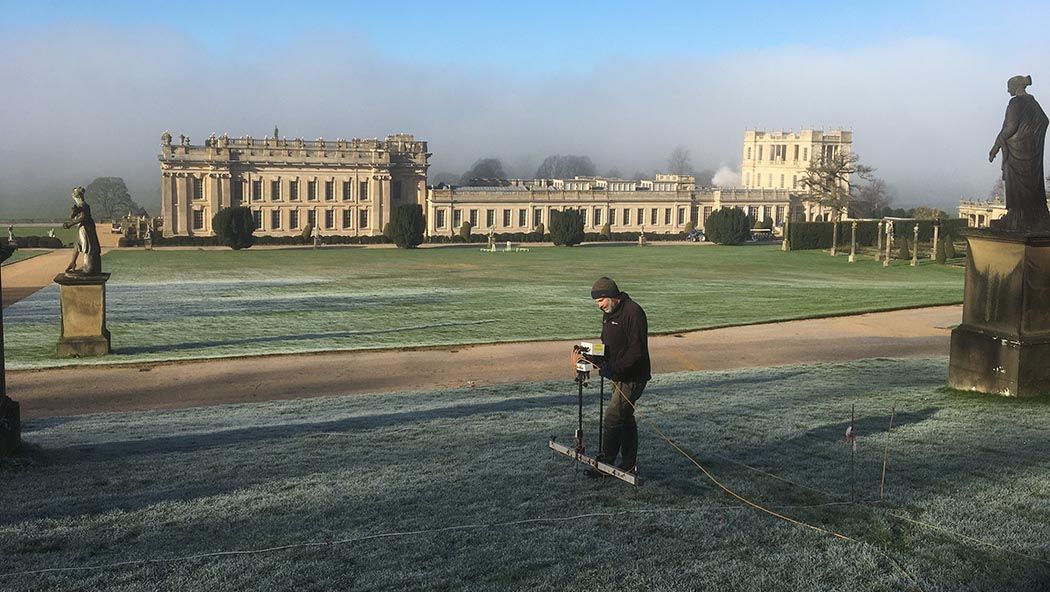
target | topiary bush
x=905, y=253
x=464, y=230
x=728, y=226
x=606, y=232
x=939, y=254
x=234, y=227
x=689, y=227
x=307, y=233
x=406, y=226
x=566, y=227
x=537, y=235
x=949, y=247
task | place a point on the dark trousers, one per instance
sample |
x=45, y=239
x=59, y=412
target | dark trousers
x=620, y=432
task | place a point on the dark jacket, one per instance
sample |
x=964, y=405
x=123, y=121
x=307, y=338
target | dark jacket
x=625, y=333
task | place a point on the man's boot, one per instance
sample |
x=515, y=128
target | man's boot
x=629, y=447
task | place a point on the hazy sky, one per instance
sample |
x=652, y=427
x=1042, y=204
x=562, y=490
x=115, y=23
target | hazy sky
x=89, y=87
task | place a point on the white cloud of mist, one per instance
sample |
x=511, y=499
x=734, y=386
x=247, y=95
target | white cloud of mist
x=726, y=177
x=86, y=101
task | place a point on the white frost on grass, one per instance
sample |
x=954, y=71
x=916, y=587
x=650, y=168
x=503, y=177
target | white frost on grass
x=113, y=487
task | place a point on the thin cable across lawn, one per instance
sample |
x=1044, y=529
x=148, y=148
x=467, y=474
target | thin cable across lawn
x=383, y=535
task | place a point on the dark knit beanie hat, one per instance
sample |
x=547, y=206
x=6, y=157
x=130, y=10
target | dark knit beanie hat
x=604, y=288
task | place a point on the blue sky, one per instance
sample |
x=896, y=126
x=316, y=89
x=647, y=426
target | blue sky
x=922, y=84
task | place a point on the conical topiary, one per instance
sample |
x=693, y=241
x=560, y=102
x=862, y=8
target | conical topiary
x=905, y=252
x=939, y=253
x=949, y=247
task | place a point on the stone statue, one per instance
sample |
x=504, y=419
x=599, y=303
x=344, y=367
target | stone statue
x=165, y=139
x=1021, y=140
x=10, y=234
x=87, y=238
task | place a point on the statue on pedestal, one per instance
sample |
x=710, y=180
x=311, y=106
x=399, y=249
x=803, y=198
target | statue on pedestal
x=1021, y=141
x=87, y=237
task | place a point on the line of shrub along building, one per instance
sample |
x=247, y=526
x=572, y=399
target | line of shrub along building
x=349, y=188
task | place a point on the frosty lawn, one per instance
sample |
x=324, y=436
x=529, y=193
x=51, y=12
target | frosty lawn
x=455, y=489
x=196, y=304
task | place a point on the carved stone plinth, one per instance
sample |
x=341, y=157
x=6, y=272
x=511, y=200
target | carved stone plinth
x=1003, y=343
x=10, y=426
x=84, y=331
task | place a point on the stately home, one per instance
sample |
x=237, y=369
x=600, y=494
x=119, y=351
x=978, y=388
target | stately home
x=343, y=187
x=778, y=160
x=665, y=204
x=349, y=187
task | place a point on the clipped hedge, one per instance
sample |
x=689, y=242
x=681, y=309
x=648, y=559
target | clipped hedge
x=38, y=242
x=817, y=235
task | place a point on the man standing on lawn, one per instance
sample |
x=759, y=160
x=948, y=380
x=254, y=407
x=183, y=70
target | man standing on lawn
x=625, y=333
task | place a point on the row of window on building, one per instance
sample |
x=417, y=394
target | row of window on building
x=595, y=217
x=771, y=177
x=780, y=152
x=327, y=190
x=277, y=218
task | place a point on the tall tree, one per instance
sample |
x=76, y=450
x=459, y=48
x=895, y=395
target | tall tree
x=678, y=162
x=566, y=166
x=482, y=171
x=110, y=198
x=828, y=179
x=928, y=213
x=442, y=177
x=871, y=197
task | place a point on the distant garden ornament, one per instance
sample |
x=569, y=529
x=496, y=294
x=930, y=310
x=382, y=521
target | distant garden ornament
x=1021, y=140
x=87, y=237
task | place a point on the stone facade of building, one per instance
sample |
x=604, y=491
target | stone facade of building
x=345, y=187
x=662, y=205
x=979, y=214
x=777, y=160
x=349, y=187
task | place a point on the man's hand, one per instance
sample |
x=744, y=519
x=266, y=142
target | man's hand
x=576, y=357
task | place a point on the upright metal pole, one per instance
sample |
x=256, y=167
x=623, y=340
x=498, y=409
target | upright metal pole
x=886, y=453
x=579, y=428
x=853, y=455
x=3, y=354
x=601, y=415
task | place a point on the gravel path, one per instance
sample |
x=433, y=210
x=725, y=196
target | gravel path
x=920, y=332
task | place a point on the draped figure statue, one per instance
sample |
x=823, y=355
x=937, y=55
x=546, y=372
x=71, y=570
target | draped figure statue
x=87, y=237
x=1021, y=141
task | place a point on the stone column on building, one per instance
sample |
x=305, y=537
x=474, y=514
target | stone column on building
x=225, y=192
x=184, y=203
x=166, y=213
x=214, y=200
x=936, y=238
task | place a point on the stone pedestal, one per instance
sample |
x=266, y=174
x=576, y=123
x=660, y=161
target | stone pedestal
x=10, y=426
x=1003, y=343
x=84, y=331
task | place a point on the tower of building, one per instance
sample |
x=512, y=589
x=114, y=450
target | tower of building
x=777, y=160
